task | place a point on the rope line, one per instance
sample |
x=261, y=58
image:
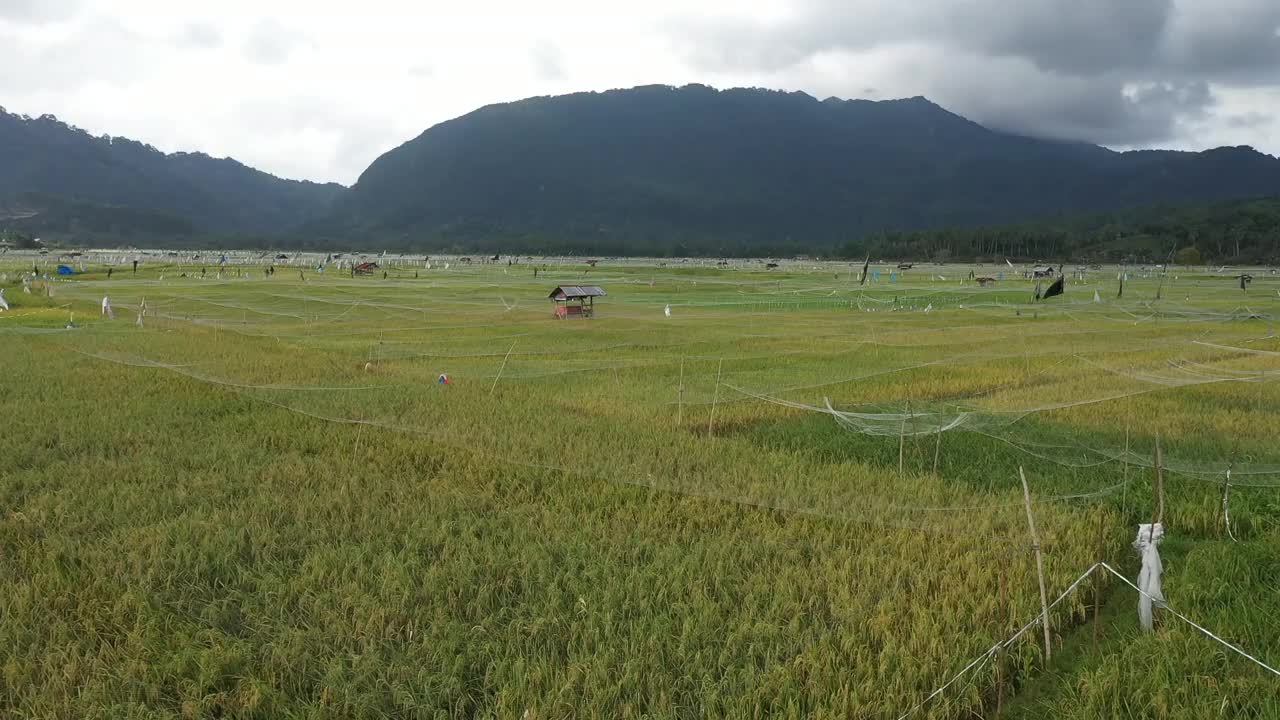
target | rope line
x=981, y=659
x=1164, y=605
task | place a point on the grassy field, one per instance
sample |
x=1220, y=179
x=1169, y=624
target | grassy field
x=261, y=503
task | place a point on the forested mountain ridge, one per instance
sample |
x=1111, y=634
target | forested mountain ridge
x=1233, y=231
x=694, y=170
x=655, y=170
x=49, y=166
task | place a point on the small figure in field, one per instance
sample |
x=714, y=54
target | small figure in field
x=135, y=267
x=109, y=271
x=107, y=312
x=384, y=274
x=202, y=273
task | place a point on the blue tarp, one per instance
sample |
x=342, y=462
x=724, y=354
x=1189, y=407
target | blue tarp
x=65, y=270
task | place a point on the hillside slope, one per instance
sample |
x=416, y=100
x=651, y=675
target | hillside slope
x=48, y=164
x=693, y=169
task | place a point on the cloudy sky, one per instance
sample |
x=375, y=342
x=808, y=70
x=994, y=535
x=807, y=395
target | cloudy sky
x=317, y=90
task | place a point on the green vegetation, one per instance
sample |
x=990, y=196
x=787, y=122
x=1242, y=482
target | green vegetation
x=62, y=183
x=261, y=503
x=670, y=172
x=1237, y=231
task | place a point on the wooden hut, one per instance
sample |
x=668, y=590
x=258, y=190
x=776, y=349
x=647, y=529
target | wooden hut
x=575, y=300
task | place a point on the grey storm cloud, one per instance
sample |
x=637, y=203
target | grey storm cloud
x=1108, y=71
x=1235, y=39
x=1248, y=120
x=271, y=43
x=112, y=50
x=37, y=11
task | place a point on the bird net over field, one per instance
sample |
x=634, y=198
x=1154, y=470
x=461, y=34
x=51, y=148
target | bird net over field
x=860, y=441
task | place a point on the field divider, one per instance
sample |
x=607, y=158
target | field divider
x=977, y=662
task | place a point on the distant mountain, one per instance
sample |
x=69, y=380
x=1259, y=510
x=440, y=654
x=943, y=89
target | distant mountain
x=55, y=177
x=649, y=170
x=696, y=170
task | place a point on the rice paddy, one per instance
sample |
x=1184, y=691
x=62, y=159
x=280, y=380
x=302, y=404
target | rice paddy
x=796, y=495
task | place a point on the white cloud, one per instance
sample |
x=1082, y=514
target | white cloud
x=199, y=34
x=36, y=11
x=270, y=42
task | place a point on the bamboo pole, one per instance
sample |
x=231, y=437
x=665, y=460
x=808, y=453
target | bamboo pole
x=1035, y=543
x=1158, y=517
x=902, y=442
x=1226, y=493
x=937, y=448
x=715, y=400
x=999, y=685
x=1097, y=589
x=1004, y=602
x=680, y=395
x=1124, y=493
x=498, y=377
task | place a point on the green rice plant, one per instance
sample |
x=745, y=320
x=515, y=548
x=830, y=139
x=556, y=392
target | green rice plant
x=263, y=504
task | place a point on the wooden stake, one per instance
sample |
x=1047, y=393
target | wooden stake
x=999, y=685
x=1004, y=601
x=1097, y=589
x=355, y=453
x=902, y=442
x=504, y=366
x=1124, y=493
x=715, y=399
x=937, y=448
x=1035, y=543
x=1158, y=517
x=1226, y=492
x=680, y=395
x=913, y=418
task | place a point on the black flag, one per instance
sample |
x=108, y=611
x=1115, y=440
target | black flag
x=865, y=265
x=1054, y=289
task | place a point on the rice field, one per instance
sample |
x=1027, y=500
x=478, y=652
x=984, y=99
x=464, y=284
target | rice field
x=793, y=496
